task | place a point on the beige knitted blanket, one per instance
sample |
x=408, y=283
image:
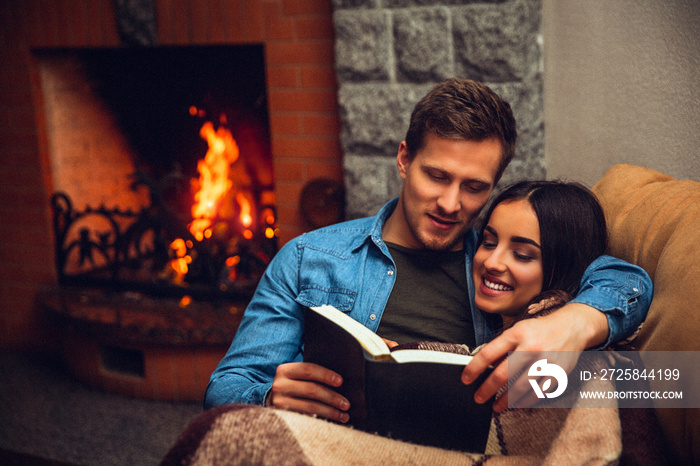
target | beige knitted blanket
x=248, y=434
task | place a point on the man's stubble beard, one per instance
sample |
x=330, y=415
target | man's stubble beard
x=436, y=243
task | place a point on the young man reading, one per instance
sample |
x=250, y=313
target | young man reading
x=406, y=272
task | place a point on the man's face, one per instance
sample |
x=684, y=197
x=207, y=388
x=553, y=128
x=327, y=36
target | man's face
x=445, y=187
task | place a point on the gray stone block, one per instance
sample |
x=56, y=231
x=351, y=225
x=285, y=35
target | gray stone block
x=339, y=4
x=374, y=116
x=423, y=44
x=362, y=47
x=494, y=42
x=526, y=101
x=371, y=182
x=411, y=3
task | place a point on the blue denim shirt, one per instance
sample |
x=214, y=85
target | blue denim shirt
x=349, y=266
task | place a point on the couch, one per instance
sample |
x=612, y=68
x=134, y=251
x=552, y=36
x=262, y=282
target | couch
x=654, y=222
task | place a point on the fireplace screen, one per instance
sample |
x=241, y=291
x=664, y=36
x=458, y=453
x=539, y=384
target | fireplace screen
x=162, y=168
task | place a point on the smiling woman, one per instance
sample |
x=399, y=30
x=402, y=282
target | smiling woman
x=508, y=263
x=536, y=236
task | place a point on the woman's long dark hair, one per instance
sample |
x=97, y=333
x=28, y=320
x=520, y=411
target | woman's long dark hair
x=572, y=228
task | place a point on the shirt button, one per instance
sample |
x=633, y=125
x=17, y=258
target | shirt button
x=635, y=290
x=373, y=317
x=390, y=272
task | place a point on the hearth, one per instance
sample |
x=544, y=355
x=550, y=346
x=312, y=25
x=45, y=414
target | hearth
x=194, y=210
x=164, y=209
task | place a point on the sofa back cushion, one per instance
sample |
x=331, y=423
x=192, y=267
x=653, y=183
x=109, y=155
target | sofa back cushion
x=654, y=222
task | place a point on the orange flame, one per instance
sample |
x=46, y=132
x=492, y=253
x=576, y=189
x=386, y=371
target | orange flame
x=214, y=182
x=245, y=204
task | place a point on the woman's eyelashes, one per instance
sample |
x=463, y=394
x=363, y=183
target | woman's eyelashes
x=489, y=242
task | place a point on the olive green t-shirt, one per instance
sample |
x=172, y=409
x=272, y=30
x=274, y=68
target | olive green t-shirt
x=429, y=301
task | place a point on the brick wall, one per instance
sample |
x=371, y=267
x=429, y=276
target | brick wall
x=298, y=39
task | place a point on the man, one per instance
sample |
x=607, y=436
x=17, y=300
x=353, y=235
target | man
x=406, y=273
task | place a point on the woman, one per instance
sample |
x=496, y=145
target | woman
x=536, y=240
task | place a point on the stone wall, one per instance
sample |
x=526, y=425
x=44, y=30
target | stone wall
x=389, y=53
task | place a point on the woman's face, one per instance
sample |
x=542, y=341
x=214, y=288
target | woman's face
x=508, y=264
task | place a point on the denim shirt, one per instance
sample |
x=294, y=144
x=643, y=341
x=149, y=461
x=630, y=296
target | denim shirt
x=349, y=266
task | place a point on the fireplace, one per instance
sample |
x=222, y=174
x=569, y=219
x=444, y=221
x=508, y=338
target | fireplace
x=297, y=40
x=164, y=213
x=162, y=163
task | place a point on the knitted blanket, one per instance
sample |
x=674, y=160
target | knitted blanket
x=248, y=434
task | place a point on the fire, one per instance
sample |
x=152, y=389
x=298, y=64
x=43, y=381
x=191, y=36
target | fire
x=214, y=182
x=180, y=263
x=245, y=204
x=224, y=209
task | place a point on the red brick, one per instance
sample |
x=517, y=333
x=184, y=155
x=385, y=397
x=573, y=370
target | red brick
x=18, y=298
x=253, y=20
x=285, y=123
x=276, y=25
x=302, y=7
x=289, y=170
x=317, y=27
x=216, y=22
x=27, y=332
x=289, y=190
x=35, y=196
x=109, y=29
x=332, y=170
x=321, y=124
x=311, y=100
x=18, y=117
x=181, y=24
x=199, y=18
x=28, y=273
x=282, y=76
x=73, y=26
x=307, y=52
x=233, y=14
x=94, y=33
x=289, y=232
x=318, y=148
x=164, y=21
x=319, y=76
x=34, y=249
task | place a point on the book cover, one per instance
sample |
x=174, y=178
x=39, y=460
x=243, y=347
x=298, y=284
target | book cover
x=411, y=395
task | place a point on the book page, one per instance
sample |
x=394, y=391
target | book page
x=373, y=345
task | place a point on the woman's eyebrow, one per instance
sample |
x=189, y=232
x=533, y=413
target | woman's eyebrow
x=522, y=239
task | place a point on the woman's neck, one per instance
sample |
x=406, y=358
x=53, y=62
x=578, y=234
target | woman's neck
x=508, y=321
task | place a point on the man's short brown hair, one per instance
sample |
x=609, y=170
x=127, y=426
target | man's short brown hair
x=463, y=109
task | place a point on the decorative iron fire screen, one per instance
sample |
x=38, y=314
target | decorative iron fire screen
x=153, y=251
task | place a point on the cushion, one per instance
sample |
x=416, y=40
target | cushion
x=654, y=222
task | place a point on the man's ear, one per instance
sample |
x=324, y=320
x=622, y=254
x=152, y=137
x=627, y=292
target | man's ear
x=402, y=159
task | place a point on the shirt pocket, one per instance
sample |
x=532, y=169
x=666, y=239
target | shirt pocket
x=318, y=295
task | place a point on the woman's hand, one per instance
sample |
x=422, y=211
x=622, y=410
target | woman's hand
x=572, y=328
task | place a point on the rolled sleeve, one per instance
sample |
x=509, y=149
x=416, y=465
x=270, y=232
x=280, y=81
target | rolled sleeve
x=621, y=290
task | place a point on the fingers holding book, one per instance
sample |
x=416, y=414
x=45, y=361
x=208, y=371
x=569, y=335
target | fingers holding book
x=304, y=387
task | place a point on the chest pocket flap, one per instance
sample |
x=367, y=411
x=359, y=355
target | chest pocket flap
x=317, y=295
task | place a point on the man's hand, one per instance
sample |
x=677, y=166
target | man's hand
x=303, y=387
x=574, y=327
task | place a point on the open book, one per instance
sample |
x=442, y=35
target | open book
x=411, y=395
